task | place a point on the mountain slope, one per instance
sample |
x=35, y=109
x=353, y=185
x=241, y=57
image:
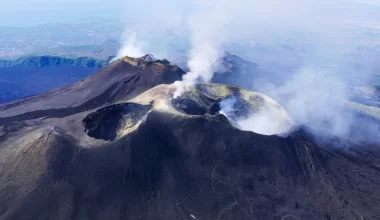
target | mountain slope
x=115, y=146
x=126, y=77
x=38, y=74
x=167, y=164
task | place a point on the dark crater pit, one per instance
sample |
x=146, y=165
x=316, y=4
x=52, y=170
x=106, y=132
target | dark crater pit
x=106, y=122
x=199, y=104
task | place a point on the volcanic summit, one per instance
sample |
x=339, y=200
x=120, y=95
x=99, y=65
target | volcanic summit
x=118, y=146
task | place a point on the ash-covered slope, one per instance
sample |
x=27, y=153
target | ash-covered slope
x=125, y=77
x=155, y=157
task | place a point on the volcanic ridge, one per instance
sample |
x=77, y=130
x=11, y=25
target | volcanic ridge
x=117, y=145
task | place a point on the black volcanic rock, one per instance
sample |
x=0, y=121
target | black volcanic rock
x=169, y=168
x=104, y=123
x=122, y=79
x=64, y=155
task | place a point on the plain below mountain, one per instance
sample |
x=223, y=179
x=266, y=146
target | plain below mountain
x=43, y=61
x=32, y=75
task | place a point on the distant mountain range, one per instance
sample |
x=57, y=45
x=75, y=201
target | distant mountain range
x=50, y=61
x=32, y=75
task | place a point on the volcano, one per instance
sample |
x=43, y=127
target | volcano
x=123, y=78
x=118, y=146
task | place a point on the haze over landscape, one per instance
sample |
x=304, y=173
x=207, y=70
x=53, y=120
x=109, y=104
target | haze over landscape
x=190, y=109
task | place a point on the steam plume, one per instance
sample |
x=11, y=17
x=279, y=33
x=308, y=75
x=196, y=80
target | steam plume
x=207, y=34
x=315, y=94
x=266, y=121
x=130, y=46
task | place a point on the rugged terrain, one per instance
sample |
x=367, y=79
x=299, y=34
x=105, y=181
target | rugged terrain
x=31, y=75
x=42, y=61
x=118, y=146
x=118, y=79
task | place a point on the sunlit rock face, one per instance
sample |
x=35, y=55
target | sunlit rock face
x=245, y=110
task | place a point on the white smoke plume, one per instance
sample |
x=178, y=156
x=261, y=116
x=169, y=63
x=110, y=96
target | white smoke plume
x=266, y=121
x=130, y=46
x=214, y=23
x=314, y=95
x=315, y=98
x=207, y=33
x=149, y=25
x=227, y=107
